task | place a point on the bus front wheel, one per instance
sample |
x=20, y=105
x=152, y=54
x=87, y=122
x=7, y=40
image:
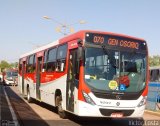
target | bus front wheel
x=61, y=112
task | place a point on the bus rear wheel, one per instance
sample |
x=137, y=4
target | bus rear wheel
x=61, y=112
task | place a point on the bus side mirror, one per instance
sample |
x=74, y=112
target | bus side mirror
x=80, y=53
x=80, y=56
x=80, y=50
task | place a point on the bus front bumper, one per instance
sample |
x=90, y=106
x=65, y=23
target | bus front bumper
x=85, y=109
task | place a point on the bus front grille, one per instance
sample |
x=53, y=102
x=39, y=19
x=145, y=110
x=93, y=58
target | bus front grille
x=108, y=112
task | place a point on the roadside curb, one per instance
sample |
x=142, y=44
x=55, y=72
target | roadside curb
x=152, y=112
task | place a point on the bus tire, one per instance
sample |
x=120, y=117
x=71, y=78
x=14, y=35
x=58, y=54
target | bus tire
x=61, y=112
x=29, y=99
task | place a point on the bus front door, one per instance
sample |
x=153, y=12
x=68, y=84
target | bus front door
x=71, y=80
x=38, y=77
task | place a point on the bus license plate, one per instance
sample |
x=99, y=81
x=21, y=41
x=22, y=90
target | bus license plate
x=117, y=115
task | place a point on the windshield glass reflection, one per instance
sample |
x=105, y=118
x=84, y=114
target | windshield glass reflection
x=111, y=70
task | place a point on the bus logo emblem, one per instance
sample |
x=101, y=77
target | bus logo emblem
x=118, y=103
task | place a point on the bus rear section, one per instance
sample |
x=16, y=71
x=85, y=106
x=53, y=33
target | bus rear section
x=89, y=74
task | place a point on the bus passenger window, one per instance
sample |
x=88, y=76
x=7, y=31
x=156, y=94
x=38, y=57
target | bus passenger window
x=61, y=58
x=51, y=66
x=51, y=60
x=60, y=65
x=31, y=64
x=34, y=64
x=20, y=66
x=45, y=62
x=155, y=75
x=158, y=75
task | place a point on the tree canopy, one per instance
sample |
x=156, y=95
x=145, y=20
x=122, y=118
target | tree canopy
x=154, y=60
x=5, y=65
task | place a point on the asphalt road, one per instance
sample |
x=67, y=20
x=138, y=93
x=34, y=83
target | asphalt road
x=41, y=114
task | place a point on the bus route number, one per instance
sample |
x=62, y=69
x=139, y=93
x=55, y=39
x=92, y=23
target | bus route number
x=98, y=39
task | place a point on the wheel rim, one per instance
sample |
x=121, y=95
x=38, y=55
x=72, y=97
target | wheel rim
x=60, y=106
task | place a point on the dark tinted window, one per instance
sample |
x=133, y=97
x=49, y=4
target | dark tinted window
x=155, y=75
x=51, y=60
x=31, y=64
x=62, y=52
x=52, y=54
x=45, y=61
x=31, y=59
x=45, y=56
x=61, y=58
x=20, y=66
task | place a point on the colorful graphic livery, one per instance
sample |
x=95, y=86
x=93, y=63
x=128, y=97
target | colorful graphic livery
x=88, y=73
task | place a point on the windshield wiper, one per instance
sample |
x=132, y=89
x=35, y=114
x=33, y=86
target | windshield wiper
x=112, y=61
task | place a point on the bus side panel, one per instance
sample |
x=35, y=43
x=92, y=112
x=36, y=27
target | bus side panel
x=30, y=82
x=76, y=101
x=48, y=91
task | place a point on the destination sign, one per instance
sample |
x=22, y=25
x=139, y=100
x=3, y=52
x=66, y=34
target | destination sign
x=115, y=41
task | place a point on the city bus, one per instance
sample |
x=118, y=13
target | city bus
x=89, y=74
x=10, y=76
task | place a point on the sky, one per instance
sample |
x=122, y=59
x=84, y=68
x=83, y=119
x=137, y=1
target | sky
x=23, y=28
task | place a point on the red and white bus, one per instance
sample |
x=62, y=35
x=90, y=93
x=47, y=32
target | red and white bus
x=89, y=74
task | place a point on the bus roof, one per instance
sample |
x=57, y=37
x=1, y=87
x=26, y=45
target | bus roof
x=40, y=48
x=82, y=33
x=77, y=35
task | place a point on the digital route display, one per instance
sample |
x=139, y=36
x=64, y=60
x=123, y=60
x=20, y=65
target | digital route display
x=115, y=41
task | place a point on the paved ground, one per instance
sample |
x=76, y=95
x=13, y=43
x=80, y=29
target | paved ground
x=40, y=114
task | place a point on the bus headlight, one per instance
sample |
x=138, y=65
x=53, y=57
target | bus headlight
x=88, y=98
x=142, y=102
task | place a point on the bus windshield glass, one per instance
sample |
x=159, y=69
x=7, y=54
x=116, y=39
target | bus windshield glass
x=11, y=73
x=14, y=73
x=114, y=70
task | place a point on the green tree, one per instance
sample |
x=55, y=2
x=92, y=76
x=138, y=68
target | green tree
x=4, y=65
x=154, y=60
x=14, y=65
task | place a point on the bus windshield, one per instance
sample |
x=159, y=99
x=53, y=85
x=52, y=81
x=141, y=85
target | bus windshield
x=114, y=70
x=12, y=74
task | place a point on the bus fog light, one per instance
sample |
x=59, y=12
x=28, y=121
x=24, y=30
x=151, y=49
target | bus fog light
x=88, y=98
x=142, y=102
